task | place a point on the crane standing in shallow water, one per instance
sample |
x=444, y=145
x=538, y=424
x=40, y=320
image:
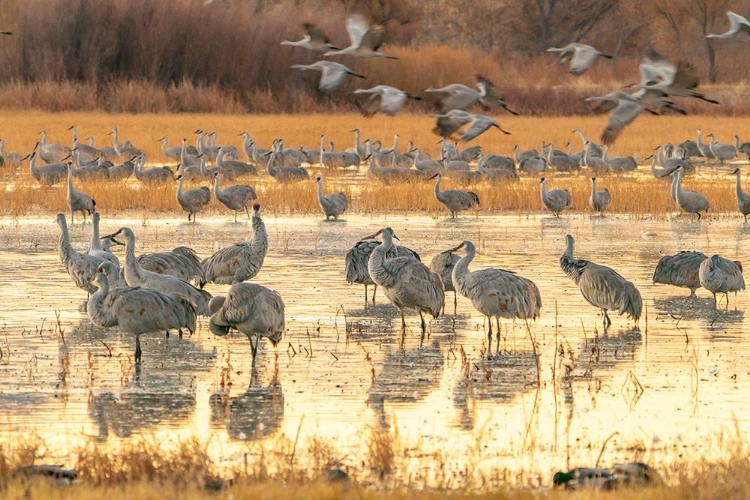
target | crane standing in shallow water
x=77, y=200
x=720, y=275
x=442, y=264
x=333, y=205
x=454, y=200
x=496, y=293
x=80, y=266
x=680, y=270
x=253, y=310
x=601, y=286
x=358, y=257
x=405, y=281
x=555, y=200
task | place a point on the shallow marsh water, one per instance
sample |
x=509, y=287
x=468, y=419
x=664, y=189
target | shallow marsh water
x=672, y=391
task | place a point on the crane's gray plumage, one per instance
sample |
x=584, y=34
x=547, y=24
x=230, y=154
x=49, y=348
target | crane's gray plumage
x=679, y=80
x=454, y=200
x=720, y=275
x=688, y=201
x=556, y=200
x=333, y=205
x=448, y=125
x=743, y=148
x=234, y=197
x=680, y=270
x=623, y=108
x=181, y=262
x=95, y=246
x=743, y=198
x=560, y=160
x=721, y=151
x=581, y=56
x=136, y=275
x=601, y=286
x=332, y=73
x=442, y=264
x=405, y=281
x=77, y=200
x=496, y=293
x=285, y=174
x=138, y=310
x=358, y=257
x=618, y=164
x=192, y=201
x=739, y=29
x=81, y=267
x=314, y=40
x=251, y=309
x=151, y=175
x=48, y=175
x=240, y=261
x=236, y=167
x=459, y=96
x=365, y=40
x=599, y=200
x=14, y=159
x=383, y=98
x=176, y=152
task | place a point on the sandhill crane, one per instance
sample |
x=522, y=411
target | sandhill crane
x=618, y=164
x=285, y=174
x=358, y=148
x=234, y=197
x=448, y=125
x=680, y=270
x=405, y=281
x=459, y=96
x=496, y=293
x=454, y=200
x=599, y=200
x=581, y=56
x=337, y=159
x=442, y=264
x=14, y=159
x=85, y=151
x=739, y=148
x=561, y=161
x=136, y=275
x=124, y=150
x=358, y=257
x=739, y=29
x=151, y=175
x=240, y=261
x=661, y=173
x=332, y=73
x=95, y=246
x=51, y=152
x=48, y=175
x=251, y=309
x=176, y=152
x=138, y=310
x=77, y=200
x=533, y=164
x=365, y=40
x=192, y=201
x=661, y=75
x=313, y=40
x=80, y=266
x=688, y=201
x=703, y=148
x=601, y=286
x=384, y=98
x=595, y=163
x=743, y=198
x=555, y=200
x=122, y=170
x=333, y=205
x=522, y=155
x=181, y=262
x=720, y=275
x=623, y=108
x=235, y=168
x=595, y=149
x=96, y=169
x=721, y=151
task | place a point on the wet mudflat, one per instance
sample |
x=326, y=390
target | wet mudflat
x=558, y=391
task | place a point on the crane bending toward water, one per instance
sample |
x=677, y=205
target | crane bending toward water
x=314, y=40
x=358, y=257
x=383, y=98
x=138, y=310
x=442, y=264
x=454, y=200
x=405, y=281
x=555, y=200
x=77, y=200
x=720, y=275
x=743, y=198
x=496, y=293
x=136, y=275
x=581, y=56
x=235, y=197
x=599, y=200
x=365, y=40
x=333, y=205
x=192, y=201
x=81, y=267
x=680, y=270
x=240, y=261
x=450, y=123
x=739, y=29
x=601, y=286
x=332, y=73
x=688, y=201
x=251, y=309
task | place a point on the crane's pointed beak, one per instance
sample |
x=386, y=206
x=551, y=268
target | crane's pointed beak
x=454, y=249
x=112, y=236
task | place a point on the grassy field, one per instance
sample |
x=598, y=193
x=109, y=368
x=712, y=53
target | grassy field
x=634, y=193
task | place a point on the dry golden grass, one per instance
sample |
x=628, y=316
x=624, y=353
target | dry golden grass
x=632, y=193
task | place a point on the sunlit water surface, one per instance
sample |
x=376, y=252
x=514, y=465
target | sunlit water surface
x=671, y=392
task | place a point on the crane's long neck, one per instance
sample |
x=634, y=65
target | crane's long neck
x=179, y=187
x=32, y=166
x=95, y=307
x=461, y=269
x=740, y=193
x=357, y=143
x=517, y=153
x=653, y=167
x=543, y=190
x=217, y=189
x=586, y=153
x=132, y=267
x=395, y=145
x=570, y=265
x=322, y=147
x=246, y=142
x=583, y=137
x=116, y=139
x=437, y=187
x=220, y=157
x=270, y=167
x=678, y=186
x=71, y=188
x=376, y=263
x=43, y=142
x=96, y=243
x=320, y=191
x=259, y=243
x=605, y=156
x=65, y=248
x=164, y=145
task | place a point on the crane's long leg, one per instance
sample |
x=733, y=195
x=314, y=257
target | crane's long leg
x=254, y=346
x=489, y=336
x=455, y=302
x=137, y=349
x=403, y=327
x=726, y=296
x=235, y=215
x=497, y=335
x=714, y=299
x=365, y=295
x=375, y=289
x=607, y=321
x=424, y=328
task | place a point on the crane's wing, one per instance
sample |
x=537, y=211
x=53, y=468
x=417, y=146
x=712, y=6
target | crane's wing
x=450, y=122
x=391, y=100
x=685, y=76
x=373, y=39
x=583, y=58
x=623, y=115
x=458, y=96
x=332, y=76
x=315, y=34
x=372, y=105
x=489, y=89
x=357, y=26
x=659, y=68
x=738, y=23
x=479, y=125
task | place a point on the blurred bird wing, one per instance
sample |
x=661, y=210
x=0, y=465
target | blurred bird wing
x=391, y=100
x=314, y=34
x=372, y=105
x=623, y=115
x=332, y=76
x=738, y=23
x=458, y=96
x=685, y=76
x=583, y=57
x=489, y=89
x=659, y=68
x=450, y=122
x=478, y=126
x=373, y=38
x=357, y=27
